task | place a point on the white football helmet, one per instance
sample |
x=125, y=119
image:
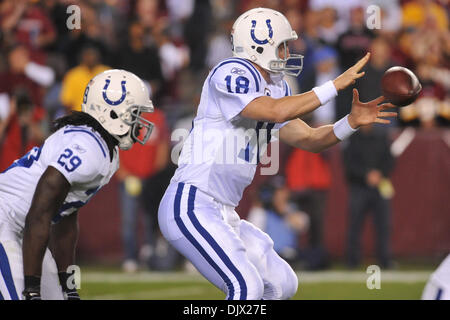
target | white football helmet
x=116, y=99
x=256, y=36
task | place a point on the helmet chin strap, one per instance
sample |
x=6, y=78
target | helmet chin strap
x=125, y=145
x=125, y=142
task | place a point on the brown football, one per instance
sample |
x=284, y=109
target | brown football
x=400, y=86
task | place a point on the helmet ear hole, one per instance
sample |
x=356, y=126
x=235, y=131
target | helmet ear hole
x=113, y=115
x=260, y=50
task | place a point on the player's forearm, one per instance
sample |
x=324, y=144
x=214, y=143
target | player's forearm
x=318, y=140
x=322, y=138
x=49, y=195
x=284, y=109
x=63, y=241
x=299, y=135
x=292, y=107
x=35, y=240
x=280, y=110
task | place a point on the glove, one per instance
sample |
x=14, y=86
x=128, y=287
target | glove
x=69, y=293
x=32, y=288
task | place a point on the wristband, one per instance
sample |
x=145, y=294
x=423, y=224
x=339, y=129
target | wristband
x=342, y=129
x=325, y=92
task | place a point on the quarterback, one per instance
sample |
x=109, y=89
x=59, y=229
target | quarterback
x=245, y=98
x=40, y=193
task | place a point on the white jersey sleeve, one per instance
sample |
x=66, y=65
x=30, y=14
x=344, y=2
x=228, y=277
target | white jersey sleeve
x=233, y=84
x=78, y=157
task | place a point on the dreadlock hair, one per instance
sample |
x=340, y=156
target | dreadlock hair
x=78, y=118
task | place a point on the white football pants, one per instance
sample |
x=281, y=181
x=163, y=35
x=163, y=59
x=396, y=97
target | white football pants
x=233, y=254
x=11, y=268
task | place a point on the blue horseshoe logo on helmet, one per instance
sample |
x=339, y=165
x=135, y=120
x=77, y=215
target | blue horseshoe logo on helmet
x=252, y=32
x=119, y=101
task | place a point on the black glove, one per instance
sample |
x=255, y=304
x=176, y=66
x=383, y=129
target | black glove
x=32, y=288
x=69, y=294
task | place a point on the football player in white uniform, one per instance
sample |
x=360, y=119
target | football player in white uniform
x=245, y=98
x=41, y=193
x=438, y=286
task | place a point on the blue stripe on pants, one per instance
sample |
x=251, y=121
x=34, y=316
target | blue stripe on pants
x=225, y=259
x=194, y=242
x=6, y=272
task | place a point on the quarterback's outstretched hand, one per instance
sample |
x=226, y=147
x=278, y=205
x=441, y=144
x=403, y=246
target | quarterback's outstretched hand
x=351, y=74
x=370, y=112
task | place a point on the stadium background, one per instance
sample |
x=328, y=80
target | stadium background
x=178, y=43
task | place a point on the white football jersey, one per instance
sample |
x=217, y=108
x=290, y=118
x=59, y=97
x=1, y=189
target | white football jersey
x=78, y=152
x=222, y=151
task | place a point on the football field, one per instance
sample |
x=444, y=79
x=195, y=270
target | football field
x=336, y=285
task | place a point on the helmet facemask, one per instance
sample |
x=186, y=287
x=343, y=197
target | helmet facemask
x=132, y=117
x=292, y=65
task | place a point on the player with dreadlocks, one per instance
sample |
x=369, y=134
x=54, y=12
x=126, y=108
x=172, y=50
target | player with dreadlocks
x=41, y=193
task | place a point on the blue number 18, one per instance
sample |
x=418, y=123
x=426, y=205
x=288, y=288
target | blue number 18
x=241, y=84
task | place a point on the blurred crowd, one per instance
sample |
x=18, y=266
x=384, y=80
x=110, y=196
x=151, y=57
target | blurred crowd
x=46, y=62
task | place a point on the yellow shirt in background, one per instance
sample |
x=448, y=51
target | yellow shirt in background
x=74, y=84
x=414, y=15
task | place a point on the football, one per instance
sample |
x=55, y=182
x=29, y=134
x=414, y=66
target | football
x=400, y=86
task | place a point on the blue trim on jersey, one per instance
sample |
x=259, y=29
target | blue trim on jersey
x=194, y=242
x=269, y=131
x=24, y=161
x=6, y=272
x=258, y=127
x=92, y=191
x=249, y=64
x=247, y=153
x=74, y=204
x=439, y=294
x=286, y=93
x=1, y=297
x=66, y=206
x=223, y=256
x=241, y=63
x=91, y=134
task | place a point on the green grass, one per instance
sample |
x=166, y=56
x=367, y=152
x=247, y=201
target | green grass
x=151, y=291
x=355, y=291
x=335, y=285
